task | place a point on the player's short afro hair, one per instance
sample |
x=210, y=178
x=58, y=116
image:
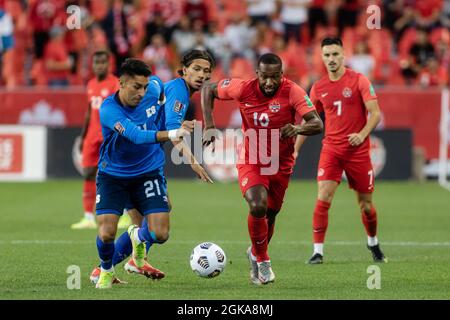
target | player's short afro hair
x=269, y=58
x=194, y=54
x=328, y=41
x=134, y=67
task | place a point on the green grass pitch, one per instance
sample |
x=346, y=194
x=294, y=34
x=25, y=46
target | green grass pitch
x=37, y=245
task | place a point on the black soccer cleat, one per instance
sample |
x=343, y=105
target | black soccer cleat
x=317, y=258
x=377, y=254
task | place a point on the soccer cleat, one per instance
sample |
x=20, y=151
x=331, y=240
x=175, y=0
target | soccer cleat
x=124, y=222
x=265, y=273
x=377, y=254
x=105, y=280
x=253, y=267
x=138, y=248
x=95, y=274
x=84, y=223
x=317, y=258
x=147, y=270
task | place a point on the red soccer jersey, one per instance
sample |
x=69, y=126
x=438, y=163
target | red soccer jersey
x=97, y=91
x=267, y=115
x=343, y=103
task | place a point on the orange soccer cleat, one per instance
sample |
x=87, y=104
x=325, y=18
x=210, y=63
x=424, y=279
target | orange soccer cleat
x=147, y=270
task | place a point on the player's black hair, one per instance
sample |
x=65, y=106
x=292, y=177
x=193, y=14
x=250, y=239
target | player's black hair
x=328, y=41
x=194, y=54
x=135, y=67
x=101, y=53
x=269, y=58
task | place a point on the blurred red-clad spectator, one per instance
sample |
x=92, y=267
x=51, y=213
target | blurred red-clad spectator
x=419, y=53
x=432, y=74
x=99, y=9
x=57, y=62
x=171, y=10
x=43, y=15
x=159, y=56
x=427, y=13
x=196, y=10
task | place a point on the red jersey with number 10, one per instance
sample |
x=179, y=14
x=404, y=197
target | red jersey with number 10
x=264, y=114
x=97, y=91
x=343, y=103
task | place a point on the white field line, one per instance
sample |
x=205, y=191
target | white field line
x=193, y=242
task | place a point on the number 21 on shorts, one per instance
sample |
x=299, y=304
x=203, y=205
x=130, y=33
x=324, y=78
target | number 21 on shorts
x=150, y=186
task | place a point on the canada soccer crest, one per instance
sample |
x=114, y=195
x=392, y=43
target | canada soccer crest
x=275, y=106
x=347, y=92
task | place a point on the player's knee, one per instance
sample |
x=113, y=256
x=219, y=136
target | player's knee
x=258, y=208
x=366, y=207
x=106, y=236
x=162, y=236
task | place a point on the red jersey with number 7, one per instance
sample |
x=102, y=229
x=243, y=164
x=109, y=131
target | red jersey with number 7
x=343, y=103
x=263, y=117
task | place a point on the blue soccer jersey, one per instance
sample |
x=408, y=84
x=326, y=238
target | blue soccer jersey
x=177, y=102
x=130, y=147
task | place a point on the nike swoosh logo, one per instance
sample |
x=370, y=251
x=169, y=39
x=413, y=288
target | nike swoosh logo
x=248, y=105
x=260, y=242
x=324, y=94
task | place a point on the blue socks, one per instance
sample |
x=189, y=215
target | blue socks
x=106, y=253
x=123, y=248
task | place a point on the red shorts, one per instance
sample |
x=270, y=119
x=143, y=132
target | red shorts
x=276, y=185
x=90, y=153
x=357, y=167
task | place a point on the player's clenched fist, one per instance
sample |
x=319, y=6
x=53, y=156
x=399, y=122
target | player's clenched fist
x=288, y=131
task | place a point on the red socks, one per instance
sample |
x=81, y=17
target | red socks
x=89, y=190
x=370, y=221
x=320, y=221
x=258, y=230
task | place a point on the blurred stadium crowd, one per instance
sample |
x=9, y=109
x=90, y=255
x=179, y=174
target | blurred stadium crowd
x=411, y=48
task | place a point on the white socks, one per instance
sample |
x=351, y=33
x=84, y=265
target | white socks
x=89, y=216
x=318, y=248
x=372, y=241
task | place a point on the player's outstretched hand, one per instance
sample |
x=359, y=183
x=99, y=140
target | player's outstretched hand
x=288, y=131
x=355, y=139
x=201, y=173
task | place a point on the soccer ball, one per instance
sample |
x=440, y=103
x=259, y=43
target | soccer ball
x=208, y=260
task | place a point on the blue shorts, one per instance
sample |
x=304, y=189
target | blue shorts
x=147, y=193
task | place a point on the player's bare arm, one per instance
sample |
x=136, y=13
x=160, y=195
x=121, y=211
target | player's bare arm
x=299, y=141
x=184, y=149
x=312, y=125
x=208, y=94
x=355, y=139
x=83, y=133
